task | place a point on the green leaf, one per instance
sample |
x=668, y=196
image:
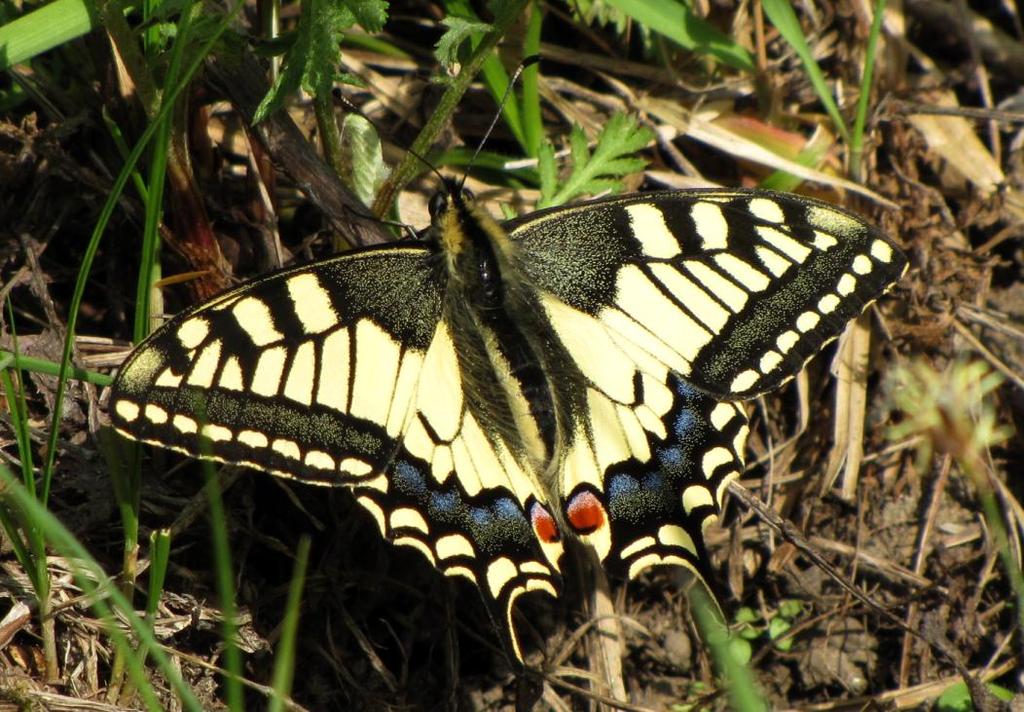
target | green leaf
x=782, y=16
x=956, y=698
x=678, y=22
x=44, y=28
x=370, y=14
x=312, y=61
x=598, y=171
x=740, y=650
x=746, y=614
x=459, y=30
x=790, y=609
x=361, y=149
x=777, y=627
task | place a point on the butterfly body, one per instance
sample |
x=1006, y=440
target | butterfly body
x=486, y=394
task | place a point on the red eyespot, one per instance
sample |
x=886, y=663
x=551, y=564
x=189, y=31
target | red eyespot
x=544, y=525
x=585, y=513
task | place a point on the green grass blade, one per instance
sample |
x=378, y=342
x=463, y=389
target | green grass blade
x=737, y=679
x=284, y=663
x=26, y=539
x=493, y=165
x=225, y=590
x=785, y=21
x=159, y=558
x=43, y=29
x=533, y=123
x=678, y=23
x=361, y=40
x=496, y=80
x=99, y=589
x=94, y=241
x=49, y=368
x=150, y=259
x=17, y=407
x=492, y=73
x=122, y=147
x=860, y=118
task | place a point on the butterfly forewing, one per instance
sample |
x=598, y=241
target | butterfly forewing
x=732, y=290
x=307, y=373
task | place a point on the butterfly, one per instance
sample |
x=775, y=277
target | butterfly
x=493, y=390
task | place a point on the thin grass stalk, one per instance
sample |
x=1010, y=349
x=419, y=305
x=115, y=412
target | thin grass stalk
x=533, y=123
x=19, y=409
x=736, y=678
x=784, y=19
x=151, y=34
x=94, y=242
x=150, y=259
x=159, y=559
x=49, y=368
x=98, y=588
x=284, y=661
x=374, y=44
x=128, y=481
x=26, y=540
x=863, y=101
x=34, y=551
x=123, y=149
x=410, y=164
x=225, y=589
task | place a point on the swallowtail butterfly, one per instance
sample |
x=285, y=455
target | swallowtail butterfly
x=496, y=389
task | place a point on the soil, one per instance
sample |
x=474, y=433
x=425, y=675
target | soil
x=896, y=508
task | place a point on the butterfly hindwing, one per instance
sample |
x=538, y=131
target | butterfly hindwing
x=478, y=510
x=658, y=510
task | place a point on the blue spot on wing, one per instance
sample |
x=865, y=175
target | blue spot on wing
x=494, y=521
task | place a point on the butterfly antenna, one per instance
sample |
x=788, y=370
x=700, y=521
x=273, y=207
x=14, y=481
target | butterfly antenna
x=527, y=62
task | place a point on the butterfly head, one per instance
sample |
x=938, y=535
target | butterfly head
x=452, y=197
x=460, y=225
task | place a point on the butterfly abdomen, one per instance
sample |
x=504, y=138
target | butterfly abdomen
x=490, y=341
